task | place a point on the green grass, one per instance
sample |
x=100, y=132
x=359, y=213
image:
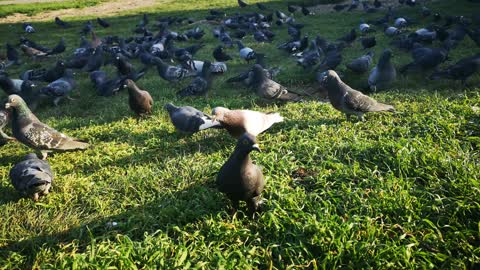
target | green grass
x=397, y=191
x=32, y=9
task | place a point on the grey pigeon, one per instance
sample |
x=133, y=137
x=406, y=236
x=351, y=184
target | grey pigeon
x=350, y=101
x=269, y=89
x=189, y=120
x=27, y=129
x=5, y=116
x=383, y=74
x=246, y=53
x=170, y=73
x=461, y=70
x=200, y=85
x=239, y=178
x=361, y=64
x=15, y=86
x=104, y=86
x=139, y=100
x=426, y=58
x=32, y=177
x=237, y=122
x=60, y=88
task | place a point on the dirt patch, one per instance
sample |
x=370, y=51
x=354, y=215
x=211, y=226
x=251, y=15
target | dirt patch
x=106, y=9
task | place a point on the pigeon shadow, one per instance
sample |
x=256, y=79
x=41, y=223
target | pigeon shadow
x=169, y=210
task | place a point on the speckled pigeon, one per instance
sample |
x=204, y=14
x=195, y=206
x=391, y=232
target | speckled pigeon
x=27, y=129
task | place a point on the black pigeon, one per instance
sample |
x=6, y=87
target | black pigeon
x=32, y=177
x=410, y=3
x=306, y=11
x=340, y=7
x=95, y=60
x=295, y=45
x=104, y=86
x=239, y=178
x=60, y=88
x=103, y=23
x=460, y=71
x=59, y=48
x=87, y=28
x=126, y=69
x=361, y=64
x=426, y=58
x=55, y=72
x=220, y=55
x=350, y=101
x=139, y=100
x=261, y=6
x=189, y=120
x=368, y=42
x=27, y=129
x=14, y=86
x=350, y=37
x=196, y=33
x=332, y=59
x=170, y=73
x=200, y=85
x=269, y=89
x=12, y=55
x=61, y=23
x=242, y=4
x=291, y=9
x=377, y=3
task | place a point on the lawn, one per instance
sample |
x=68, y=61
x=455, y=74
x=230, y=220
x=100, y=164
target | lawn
x=396, y=191
x=31, y=9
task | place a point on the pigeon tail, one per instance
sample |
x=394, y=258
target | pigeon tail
x=380, y=107
x=209, y=124
x=73, y=145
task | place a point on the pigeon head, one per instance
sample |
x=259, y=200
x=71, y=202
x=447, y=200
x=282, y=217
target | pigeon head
x=14, y=101
x=129, y=83
x=169, y=107
x=385, y=57
x=60, y=63
x=30, y=156
x=247, y=142
x=219, y=112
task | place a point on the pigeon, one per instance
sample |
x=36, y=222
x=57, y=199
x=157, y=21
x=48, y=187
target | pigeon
x=95, y=60
x=61, y=23
x=15, y=86
x=87, y=28
x=340, y=7
x=32, y=52
x=242, y=4
x=391, y=31
x=368, y=42
x=400, y=22
x=33, y=44
x=294, y=45
x=269, y=89
x=237, y=122
x=246, y=53
x=5, y=116
x=104, y=86
x=426, y=11
x=306, y=11
x=139, y=100
x=365, y=28
x=426, y=58
x=310, y=57
x=59, y=48
x=12, y=55
x=55, y=73
x=332, y=59
x=27, y=129
x=350, y=101
x=32, y=177
x=28, y=28
x=196, y=33
x=239, y=178
x=189, y=120
x=60, y=88
x=200, y=85
x=461, y=70
x=126, y=69
x=170, y=73
x=384, y=73
x=361, y=64
x=220, y=55
x=349, y=38
x=377, y=4
x=103, y=23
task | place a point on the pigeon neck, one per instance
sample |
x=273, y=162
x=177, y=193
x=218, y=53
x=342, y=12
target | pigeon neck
x=22, y=112
x=335, y=88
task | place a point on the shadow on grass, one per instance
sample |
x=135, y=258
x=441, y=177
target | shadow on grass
x=173, y=209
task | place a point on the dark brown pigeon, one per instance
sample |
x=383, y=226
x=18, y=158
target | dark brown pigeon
x=239, y=178
x=139, y=100
x=27, y=129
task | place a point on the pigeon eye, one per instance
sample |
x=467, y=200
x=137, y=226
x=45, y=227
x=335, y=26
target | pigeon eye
x=245, y=142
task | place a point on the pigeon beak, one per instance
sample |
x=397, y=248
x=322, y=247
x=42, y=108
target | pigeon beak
x=256, y=147
x=8, y=105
